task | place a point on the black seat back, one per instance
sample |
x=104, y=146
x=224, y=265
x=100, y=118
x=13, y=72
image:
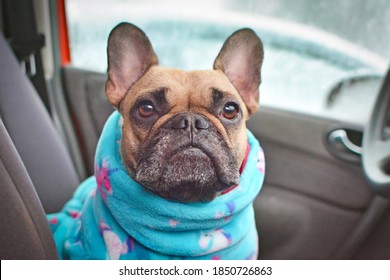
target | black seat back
x=32, y=132
x=37, y=174
x=25, y=233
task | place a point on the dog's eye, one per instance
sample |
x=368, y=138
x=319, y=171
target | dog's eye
x=230, y=110
x=146, y=109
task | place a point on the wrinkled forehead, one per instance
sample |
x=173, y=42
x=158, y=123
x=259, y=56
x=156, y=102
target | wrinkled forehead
x=184, y=88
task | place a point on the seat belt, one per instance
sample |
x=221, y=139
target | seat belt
x=21, y=31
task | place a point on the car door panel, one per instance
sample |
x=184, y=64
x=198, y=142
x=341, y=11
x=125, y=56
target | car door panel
x=311, y=201
x=295, y=226
x=297, y=159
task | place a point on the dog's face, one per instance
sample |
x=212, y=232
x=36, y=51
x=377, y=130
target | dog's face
x=184, y=134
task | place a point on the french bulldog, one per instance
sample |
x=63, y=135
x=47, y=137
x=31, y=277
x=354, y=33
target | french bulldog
x=184, y=133
x=176, y=171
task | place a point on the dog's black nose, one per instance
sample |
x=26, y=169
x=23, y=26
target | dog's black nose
x=189, y=122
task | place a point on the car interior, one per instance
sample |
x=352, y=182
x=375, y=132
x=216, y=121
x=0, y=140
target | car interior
x=327, y=185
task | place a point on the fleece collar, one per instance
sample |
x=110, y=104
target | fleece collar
x=116, y=218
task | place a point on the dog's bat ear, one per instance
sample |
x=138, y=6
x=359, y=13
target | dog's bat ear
x=240, y=59
x=130, y=54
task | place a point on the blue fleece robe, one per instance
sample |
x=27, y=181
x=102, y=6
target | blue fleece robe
x=112, y=217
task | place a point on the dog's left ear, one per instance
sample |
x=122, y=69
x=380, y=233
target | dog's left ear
x=240, y=59
x=130, y=54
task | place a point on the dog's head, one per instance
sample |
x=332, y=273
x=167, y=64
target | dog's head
x=184, y=133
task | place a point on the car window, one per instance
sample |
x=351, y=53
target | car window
x=324, y=58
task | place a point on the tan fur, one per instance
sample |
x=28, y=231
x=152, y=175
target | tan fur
x=187, y=91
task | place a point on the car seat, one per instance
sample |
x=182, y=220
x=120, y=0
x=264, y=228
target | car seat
x=36, y=171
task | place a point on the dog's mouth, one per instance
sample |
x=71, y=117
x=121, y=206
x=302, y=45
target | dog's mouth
x=189, y=172
x=192, y=175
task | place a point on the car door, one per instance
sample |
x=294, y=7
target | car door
x=314, y=205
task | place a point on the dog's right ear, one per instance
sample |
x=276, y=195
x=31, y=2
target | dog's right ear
x=130, y=54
